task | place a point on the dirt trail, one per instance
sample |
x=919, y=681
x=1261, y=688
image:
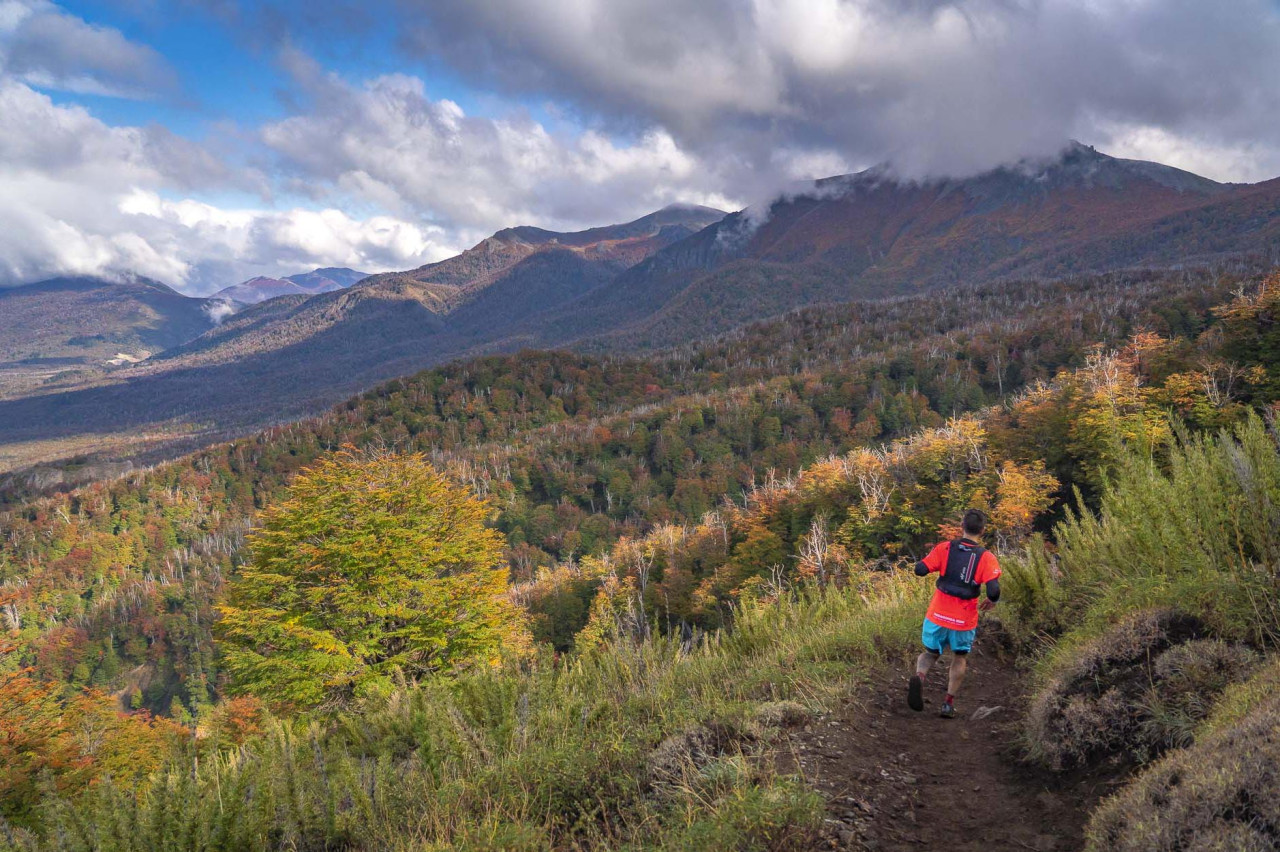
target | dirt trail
x=895, y=779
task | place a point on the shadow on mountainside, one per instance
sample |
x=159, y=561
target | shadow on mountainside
x=895, y=779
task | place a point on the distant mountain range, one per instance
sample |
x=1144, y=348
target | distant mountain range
x=57, y=329
x=317, y=281
x=480, y=293
x=673, y=276
x=64, y=332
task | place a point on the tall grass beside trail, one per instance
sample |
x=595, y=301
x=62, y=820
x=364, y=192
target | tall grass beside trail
x=649, y=746
x=1198, y=533
x=1222, y=794
x=1152, y=613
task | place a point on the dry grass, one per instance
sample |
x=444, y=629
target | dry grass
x=693, y=749
x=782, y=714
x=1219, y=795
x=1139, y=689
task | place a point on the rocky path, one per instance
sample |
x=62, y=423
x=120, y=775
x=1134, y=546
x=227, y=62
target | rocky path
x=899, y=780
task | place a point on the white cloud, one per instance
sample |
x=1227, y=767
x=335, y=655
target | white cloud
x=1242, y=162
x=717, y=102
x=80, y=197
x=46, y=47
x=389, y=144
x=278, y=242
x=938, y=86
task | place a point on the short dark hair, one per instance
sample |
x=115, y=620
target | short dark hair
x=974, y=522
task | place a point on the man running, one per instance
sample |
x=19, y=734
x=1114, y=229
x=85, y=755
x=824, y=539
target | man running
x=963, y=566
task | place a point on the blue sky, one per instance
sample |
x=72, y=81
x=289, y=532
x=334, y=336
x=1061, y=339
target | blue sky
x=231, y=72
x=204, y=141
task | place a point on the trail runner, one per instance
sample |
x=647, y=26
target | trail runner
x=962, y=566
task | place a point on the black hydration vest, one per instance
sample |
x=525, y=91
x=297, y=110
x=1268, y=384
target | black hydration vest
x=957, y=579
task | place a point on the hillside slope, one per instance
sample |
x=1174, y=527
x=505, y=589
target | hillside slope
x=362, y=333
x=870, y=234
x=1148, y=623
x=65, y=324
x=295, y=354
x=578, y=451
x=616, y=246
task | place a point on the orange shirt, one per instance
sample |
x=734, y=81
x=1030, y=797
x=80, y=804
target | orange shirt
x=948, y=610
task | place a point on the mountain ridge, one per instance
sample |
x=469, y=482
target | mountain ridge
x=522, y=274
x=263, y=287
x=62, y=326
x=654, y=283
x=623, y=244
x=869, y=233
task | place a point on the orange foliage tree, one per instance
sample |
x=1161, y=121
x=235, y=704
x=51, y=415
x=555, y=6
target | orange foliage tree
x=71, y=742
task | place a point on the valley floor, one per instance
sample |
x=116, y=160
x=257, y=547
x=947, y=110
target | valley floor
x=896, y=780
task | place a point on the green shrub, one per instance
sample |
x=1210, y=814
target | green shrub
x=1199, y=532
x=1151, y=598
x=1031, y=600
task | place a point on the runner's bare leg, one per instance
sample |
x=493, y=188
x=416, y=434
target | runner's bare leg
x=959, y=665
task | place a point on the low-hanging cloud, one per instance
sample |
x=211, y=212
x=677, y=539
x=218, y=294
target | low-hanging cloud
x=218, y=310
x=937, y=86
x=80, y=197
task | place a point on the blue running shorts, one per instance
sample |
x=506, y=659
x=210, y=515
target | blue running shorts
x=938, y=638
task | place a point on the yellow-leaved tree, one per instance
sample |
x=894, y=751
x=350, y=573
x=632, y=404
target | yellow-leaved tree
x=375, y=565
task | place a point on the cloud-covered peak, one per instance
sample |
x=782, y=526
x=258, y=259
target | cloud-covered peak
x=950, y=87
x=381, y=136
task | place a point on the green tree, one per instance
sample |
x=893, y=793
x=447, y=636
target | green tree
x=373, y=565
x=1252, y=334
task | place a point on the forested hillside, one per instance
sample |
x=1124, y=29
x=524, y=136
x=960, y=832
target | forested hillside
x=768, y=481
x=112, y=583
